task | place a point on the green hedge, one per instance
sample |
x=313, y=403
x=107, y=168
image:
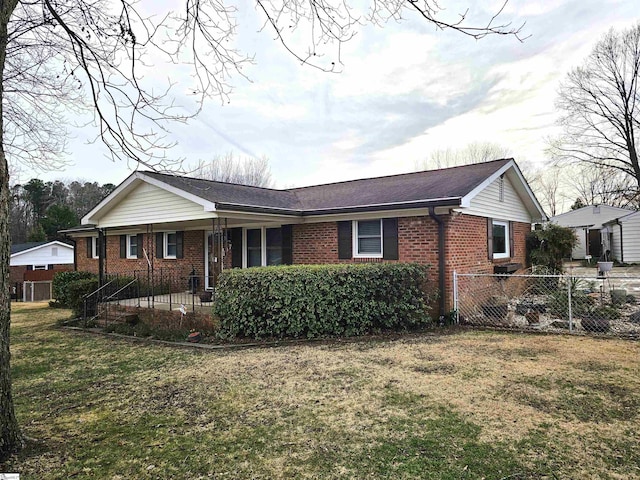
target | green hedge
x=322, y=300
x=61, y=282
x=76, y=292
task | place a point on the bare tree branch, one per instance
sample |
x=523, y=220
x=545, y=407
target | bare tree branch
x=600, y=107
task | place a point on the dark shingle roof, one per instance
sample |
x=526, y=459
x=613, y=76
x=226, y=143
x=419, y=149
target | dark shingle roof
x=21, y=247
x=231, y=193
x=427, y=186
x=444, y=186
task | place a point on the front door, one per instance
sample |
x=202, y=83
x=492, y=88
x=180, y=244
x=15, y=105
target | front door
x=214, y=257
x=595, y=245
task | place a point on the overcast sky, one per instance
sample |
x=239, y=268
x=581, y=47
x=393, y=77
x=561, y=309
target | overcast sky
x=405, y=90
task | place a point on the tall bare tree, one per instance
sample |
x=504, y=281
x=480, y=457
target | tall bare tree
x=600, y=106
x=475, y=152
x=604, y=186
x=231, y=169
x=94, y=55
x=548, y=186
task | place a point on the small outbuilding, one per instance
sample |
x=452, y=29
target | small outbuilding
x=37, y=263
x=593, y=229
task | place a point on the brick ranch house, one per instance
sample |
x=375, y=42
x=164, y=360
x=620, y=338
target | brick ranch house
x=471, y=218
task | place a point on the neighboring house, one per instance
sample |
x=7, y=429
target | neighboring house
x=470, y=218
x=38, y=261
x=624, y=237
x=591, y=227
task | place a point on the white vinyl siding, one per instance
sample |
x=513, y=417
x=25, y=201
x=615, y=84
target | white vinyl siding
x=586, y=216
x=580, y=250
x=150, y=204
x=488, y=202
x=630, y=238
x=615, y=244
x=42, y=255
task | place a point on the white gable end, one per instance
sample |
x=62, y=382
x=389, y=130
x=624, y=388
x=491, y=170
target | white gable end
x=54, y=253
x=150, y=204
x=500, y=202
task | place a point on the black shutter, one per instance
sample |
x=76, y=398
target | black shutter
x=29, y=268
x=344, y=240
x=236, y=247
x=511, y=242
x=89, y=247
x=50, y=267
x=390, y=238
x=123, y=246
x=287, y=244
x=179, y=244
x=139, y=242
x=103, y=245
x=490, y=238
x=159, y=245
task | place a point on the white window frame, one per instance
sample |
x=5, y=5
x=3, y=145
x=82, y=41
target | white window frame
x=263, y=244
x=129, y=254
x=94, y=247
x=506, y=253
x=165, y=245
x=263, y=247
x=40, y=267
x=356, y=253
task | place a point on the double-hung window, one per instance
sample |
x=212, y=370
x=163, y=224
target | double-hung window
x=170, y=245
x=367, y=238
x=500, y=239
x=263, y=246
x=94, y=247
x=132, y=246
x=254, y=247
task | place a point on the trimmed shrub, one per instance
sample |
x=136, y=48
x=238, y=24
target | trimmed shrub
x=321, y=300
x=77, y=290
x=61, y=281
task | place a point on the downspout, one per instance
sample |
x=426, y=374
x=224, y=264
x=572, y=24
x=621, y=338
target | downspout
x=621, y=242
x=441, y=282
x=101, y=251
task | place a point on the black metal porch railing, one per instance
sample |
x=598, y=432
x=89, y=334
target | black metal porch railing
x=165, y=289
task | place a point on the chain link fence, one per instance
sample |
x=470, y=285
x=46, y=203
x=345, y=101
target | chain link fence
x=604, y=305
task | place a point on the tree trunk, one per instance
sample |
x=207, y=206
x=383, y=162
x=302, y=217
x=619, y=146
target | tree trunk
x=10, y=436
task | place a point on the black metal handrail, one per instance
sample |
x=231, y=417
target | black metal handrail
x=89, y=295
x=110, y=297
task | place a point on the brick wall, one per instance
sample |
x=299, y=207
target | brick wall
x=193, y=256
x=18, y=273
x=465, y=246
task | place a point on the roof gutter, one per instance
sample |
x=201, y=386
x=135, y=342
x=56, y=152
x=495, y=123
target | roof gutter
x=441, y=263
x=440, y=202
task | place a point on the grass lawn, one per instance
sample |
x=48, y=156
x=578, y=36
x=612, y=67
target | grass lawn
x=445, y=406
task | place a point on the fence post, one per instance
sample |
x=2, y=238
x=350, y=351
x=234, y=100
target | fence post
x=455, y=296
x=570, y=303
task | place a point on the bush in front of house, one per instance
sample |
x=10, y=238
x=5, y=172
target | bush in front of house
x=321, y=300
x=61, y=282
x=77, y=291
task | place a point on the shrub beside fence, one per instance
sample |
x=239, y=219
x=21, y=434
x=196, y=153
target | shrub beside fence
x=321, y=300
x=552, y=303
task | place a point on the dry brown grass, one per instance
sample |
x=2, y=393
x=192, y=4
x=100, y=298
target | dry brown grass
x=499, y=404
